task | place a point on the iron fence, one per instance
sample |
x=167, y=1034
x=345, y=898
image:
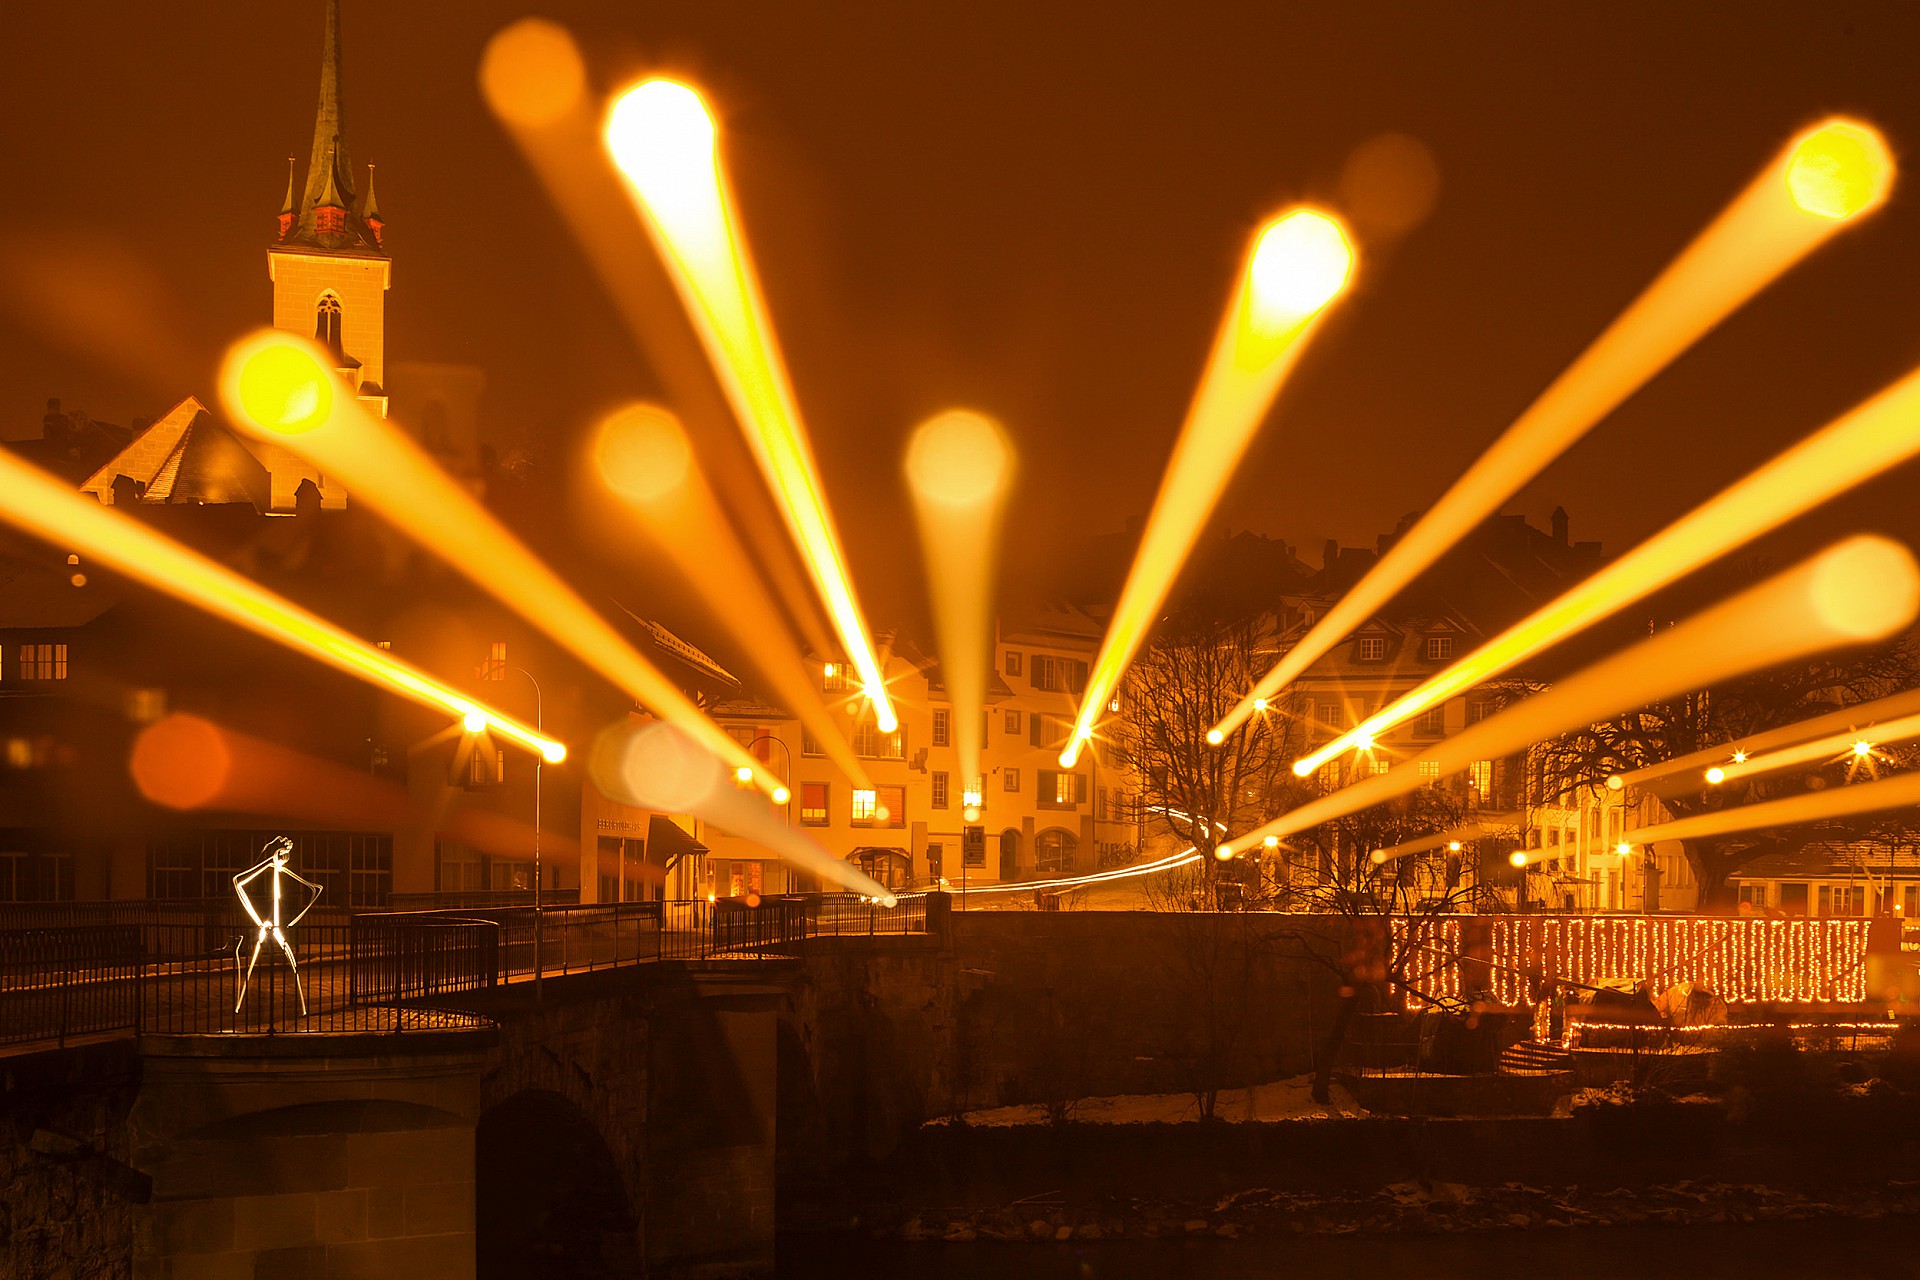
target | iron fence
x=68, y=981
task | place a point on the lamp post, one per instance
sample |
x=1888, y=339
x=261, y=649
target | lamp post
x=539, y=761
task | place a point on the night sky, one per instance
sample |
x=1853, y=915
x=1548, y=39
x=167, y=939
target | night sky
x=1031, y=210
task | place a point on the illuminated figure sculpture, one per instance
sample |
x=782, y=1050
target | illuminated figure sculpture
x=271, y=925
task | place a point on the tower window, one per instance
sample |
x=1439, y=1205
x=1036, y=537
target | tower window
x=326, y=327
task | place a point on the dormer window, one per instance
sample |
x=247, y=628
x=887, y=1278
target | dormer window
x=1373, y=648
x=1439, y=648
x=326, y=323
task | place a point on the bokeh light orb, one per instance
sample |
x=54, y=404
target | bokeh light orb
x=531, y=73
x=280, y=385
x=642, y=453
x=1839, y=169
x=959, y=459
x=1301, y=263
x=1865, y=588
x=661, y=128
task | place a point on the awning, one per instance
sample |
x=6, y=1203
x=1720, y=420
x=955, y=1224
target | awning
x=873, y=853
x=668, y=842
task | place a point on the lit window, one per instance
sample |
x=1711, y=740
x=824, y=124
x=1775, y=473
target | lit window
x=1013, y=663
x=383, y=644
x=485, y=768
x=1372, y=648
x=864, y=803
x=326, y=323
x=1059, y=675
x=939, y=789
x=1480, y=777
x=1061, y=790
x=1429, y=771
x=43, y=662
x=809, y=745
x=1439, y=648
x=870, y=743
x=1012, y=719
x=890, y=807
x=836, y=677
x=813, y=804
x=496, y=668
x=1381, y=764
x=942, y=722
x=1010, y=779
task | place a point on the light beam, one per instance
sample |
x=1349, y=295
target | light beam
x=1298, y=264
x=1846, y=742
x=1879, y=434
x=280, y=388
x=1894, y=706
x=1823, y=181
x=47, y=508
x=642, y=455
x=664, y=140
x=958, y=468
x=1814, y=806
x=1859, y=590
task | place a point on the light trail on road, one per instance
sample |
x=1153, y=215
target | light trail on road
x=280, y=388
x=1879, y=434
x=1861, y=589
x=1298, y=264
x=49, y=509
x=664, y=139
x=1823, y=181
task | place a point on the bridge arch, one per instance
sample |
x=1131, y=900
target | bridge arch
x=550, y=1198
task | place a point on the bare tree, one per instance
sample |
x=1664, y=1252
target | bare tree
x=1561, y=769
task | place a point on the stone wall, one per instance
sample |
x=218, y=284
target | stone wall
x=1029, y=1007
x=68, y=1196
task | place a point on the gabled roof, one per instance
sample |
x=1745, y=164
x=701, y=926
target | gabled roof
x=185, y=458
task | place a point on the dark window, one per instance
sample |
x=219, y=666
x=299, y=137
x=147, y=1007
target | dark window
x=813, y=804
x=353, y=869
x=326, y=324
x=941, y=723
x=939, y=789
x=1013, y=663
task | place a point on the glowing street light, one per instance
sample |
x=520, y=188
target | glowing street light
x=1299, y=263
x=281, y=389
x=49, y=509
x=474, y=722
x=665, y=142
x=1824, y=180
x=1863, y=748
x=1517, y=858
x=1879, y=713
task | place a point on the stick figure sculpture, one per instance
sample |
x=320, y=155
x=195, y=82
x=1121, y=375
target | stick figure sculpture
x=271, y=925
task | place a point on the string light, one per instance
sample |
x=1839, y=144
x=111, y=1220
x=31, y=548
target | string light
x=1741, y=961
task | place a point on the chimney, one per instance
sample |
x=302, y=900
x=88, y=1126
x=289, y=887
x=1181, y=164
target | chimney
x=1559, y=519
x=1329, y=554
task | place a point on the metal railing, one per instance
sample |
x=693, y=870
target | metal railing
x=180, y=967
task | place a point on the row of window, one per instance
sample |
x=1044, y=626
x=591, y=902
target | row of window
x=38, y=661
x=877, y=807
x=1374, y=648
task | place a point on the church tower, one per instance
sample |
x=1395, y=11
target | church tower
x=330, y=271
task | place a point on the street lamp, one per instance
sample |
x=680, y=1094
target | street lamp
x=539, y=761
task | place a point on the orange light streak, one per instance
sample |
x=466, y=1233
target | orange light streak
x=1186, y=857
x=1858, y=590
x=535, y=81
x=653, y=764
x=958, y=468
x=1298, y=264
x=280, y=388
x=1895, y=706
x=1856, y=742
x=642, y=455
x=1824, y=180
x=47, y=508
x=1835, y=802
x=1450, y=840
x=1879, y=434
x=665, y=141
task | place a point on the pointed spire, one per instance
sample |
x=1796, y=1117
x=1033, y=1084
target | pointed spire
x=287, y=214
x=370, y=212
x=329, y=177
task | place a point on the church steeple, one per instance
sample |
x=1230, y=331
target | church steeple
x=327, y=218
x=330, y=274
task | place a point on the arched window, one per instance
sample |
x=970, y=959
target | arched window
x=326, y=327
x=1053, y=852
